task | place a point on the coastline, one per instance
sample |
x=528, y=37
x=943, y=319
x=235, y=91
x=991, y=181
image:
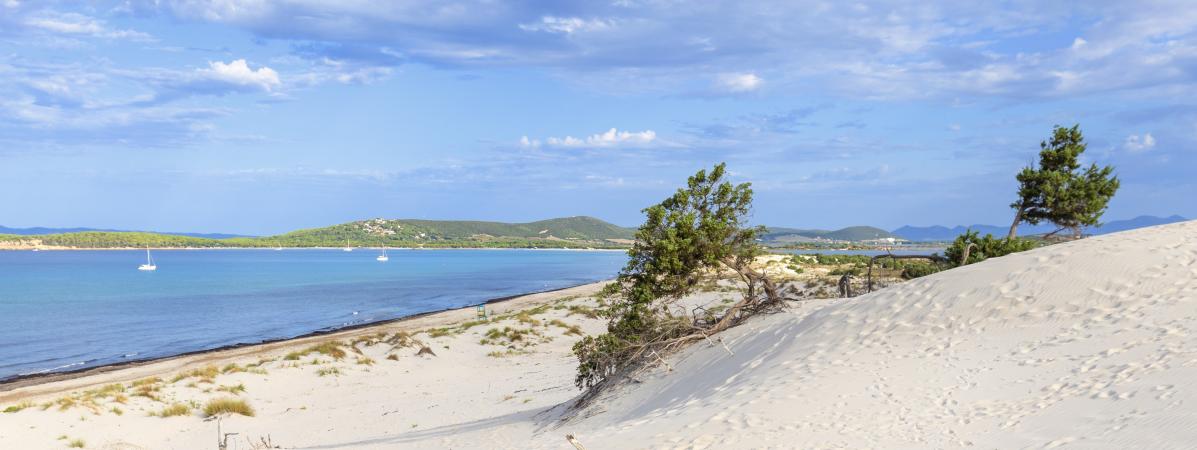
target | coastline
x=8, y=387
x=57, y=249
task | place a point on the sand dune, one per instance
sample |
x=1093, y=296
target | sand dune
x=1087, y=344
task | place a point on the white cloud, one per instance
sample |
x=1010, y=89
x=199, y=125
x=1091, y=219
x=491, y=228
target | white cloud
x=566, y=25
x=238, y=73
x=738, y=83
x=1137, y=144
x=529, y=143
x=77, y=24
x=610, y=138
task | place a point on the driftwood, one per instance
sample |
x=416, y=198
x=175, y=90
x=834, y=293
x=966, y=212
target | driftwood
x=964, y=256
x=425, y=350
x=574, y=442
x=934, y=258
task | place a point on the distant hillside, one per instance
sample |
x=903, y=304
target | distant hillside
x=783, y=236
x=942, y=233
x=569, y=232
x=44, y=230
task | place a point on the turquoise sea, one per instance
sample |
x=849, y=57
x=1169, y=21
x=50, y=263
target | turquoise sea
x=68, y=310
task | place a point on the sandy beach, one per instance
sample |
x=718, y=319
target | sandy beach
x=1084, y=344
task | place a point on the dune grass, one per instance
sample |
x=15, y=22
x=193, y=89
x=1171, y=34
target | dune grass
x=332, y=349
x=235, y=389
x=228, y=405
x=328, y=371
x=569, y=329
x=76, y=443
x=174, y=410
x=205, y=375
x=18, y=407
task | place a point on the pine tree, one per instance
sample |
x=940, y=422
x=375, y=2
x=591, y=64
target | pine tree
x=1059, y=191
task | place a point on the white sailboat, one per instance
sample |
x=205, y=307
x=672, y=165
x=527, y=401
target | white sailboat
x=149, y=261
x=383, y=257
x=347, y=247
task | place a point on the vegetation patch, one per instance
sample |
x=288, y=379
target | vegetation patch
x=569, y=329
x=174, y=410
x=235, y=389
x=205, y=375
x=513, y=337
x=18, y=407
x=329, y=371
x=228, y=405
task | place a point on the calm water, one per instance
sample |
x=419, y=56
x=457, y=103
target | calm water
x=64, y=310
x=920, y=251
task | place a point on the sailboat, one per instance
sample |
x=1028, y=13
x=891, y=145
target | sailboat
x=383, y=257
x=149, y=261
x=347, y=247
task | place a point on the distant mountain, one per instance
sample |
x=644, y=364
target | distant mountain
x=942, y=233
x=568, y=232
x=783, y=236
x=44, y=230
x=1138, y=222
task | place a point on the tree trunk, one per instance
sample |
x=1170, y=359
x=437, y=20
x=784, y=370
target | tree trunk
x=1014, y=226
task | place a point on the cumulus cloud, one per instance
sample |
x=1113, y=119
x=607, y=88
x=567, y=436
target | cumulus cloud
x=1137, y=144
x=238, y=72
x=610, y=138
x=738, y=83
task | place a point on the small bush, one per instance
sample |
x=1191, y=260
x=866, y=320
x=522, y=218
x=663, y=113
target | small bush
x=77, y=443
x=228, y=405
x=985, y=247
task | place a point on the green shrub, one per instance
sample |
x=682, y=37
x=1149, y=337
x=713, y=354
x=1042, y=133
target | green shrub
x=985, y=247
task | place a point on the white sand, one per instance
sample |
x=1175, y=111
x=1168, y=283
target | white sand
x=1081, y=345
x=1089, y=344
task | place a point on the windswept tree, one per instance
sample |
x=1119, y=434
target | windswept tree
x=1059, y=190
x=698, y=231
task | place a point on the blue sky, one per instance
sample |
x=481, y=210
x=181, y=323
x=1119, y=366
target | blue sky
x=258, y=117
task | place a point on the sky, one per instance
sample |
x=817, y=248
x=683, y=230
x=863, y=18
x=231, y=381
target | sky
x=260, y=117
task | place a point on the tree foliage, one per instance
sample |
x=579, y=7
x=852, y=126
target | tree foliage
x=1059, y=190
x=699, y=229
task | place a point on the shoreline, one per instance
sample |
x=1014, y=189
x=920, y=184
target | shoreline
x=69, y=249
x=7, y=386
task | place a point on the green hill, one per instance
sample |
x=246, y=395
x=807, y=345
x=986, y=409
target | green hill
x=783, y=236
x=569, y=232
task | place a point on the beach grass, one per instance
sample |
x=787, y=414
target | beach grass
x=18, y=407
x=328, y=371
x=76, y=443
x=235, y=389
x=228, y=405
x=205, y=375
x=174, y=410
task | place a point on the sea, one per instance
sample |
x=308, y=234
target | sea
x=70, y=310
x=865, y=252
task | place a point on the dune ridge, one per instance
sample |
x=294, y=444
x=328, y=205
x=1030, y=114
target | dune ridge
x=1086, y=344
